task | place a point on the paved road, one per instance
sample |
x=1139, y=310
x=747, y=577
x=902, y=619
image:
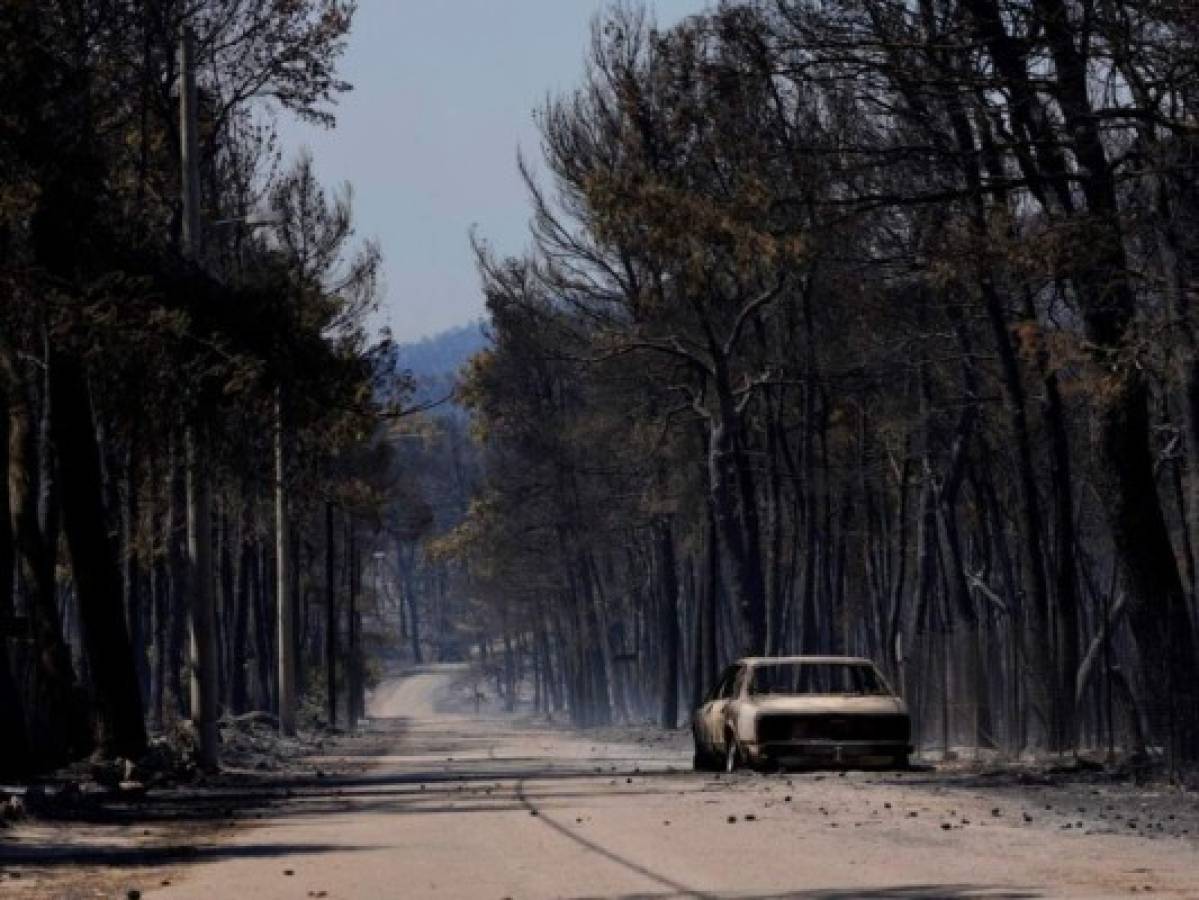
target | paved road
x=458, y=806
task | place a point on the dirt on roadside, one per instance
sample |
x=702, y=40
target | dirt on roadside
x=115, y=828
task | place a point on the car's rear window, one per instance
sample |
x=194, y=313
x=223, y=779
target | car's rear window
x=815, y=678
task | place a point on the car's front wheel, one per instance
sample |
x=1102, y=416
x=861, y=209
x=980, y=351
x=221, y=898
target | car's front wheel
x=703, y=761
x=732, y=753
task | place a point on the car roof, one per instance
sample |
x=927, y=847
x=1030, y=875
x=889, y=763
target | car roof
x=769, y=660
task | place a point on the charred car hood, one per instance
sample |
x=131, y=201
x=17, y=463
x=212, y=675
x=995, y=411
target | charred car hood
x=827, y=703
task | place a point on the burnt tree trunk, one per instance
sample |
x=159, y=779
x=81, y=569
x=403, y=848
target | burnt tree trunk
x=330, y=616
x=134, y=596
x=14, y=751
x=120, y=727
x=668, y=622
x=238, y=693
x=354, y=679
x=408, y=585
x=57, y=718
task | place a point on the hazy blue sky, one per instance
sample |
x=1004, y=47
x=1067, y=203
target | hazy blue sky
x=443, y=96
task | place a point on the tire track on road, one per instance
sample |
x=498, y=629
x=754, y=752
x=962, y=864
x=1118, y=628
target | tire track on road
x=679, y=889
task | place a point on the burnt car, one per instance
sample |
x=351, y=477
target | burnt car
x=801, y=711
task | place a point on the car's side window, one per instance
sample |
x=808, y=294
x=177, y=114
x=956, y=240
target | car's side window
x=732, y=684
x=713, y=692
x=718, y=691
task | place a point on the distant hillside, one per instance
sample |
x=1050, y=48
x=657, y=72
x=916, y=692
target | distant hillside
x=435, y=361
x=442, y=353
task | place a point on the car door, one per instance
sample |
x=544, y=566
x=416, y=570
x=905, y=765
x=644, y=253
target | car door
x=733, y=692
x=709, y=718
x=718, y=714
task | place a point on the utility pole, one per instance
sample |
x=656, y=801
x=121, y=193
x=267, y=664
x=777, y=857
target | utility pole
x=286, y=614
x=202, y=616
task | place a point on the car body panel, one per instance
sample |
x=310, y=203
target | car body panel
x=710, y=719
x=828, y=703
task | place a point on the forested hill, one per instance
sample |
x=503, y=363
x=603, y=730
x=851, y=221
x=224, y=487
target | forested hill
x=435, y=361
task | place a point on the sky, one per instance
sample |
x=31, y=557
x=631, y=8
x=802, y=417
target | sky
x=444, y=92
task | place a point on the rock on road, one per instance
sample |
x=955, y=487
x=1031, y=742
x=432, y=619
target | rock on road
x=460, y=806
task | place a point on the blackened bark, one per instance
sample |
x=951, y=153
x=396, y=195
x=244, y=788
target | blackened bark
x=15, y=759
x=354, y=674
x=297, y=606
x=713, y=597
x=411, y=600
x=594, y=651
x=604, y=628
x=58, y=721
x=226, y=568
x=1066, y=581
x=134, y=598
x=263, y=625
x=120, y=728
x=668, y=622
x=582, y=684
x=508, y=686
x=8, y=559
x=745, y=587
x=775, y=611
x=735, y=503
x=1158, y=613
x=176, y=618
x=202, y=614
x=892, y=640
x=14, y=751
x=330, y=617
x=238, y=692
x=706, y=615
x=159, y=600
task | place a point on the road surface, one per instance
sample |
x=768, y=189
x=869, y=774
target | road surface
x=459, y=806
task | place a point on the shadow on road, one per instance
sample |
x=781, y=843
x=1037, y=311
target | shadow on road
x=900, y=892
x=54, y=855
x=427, y=781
